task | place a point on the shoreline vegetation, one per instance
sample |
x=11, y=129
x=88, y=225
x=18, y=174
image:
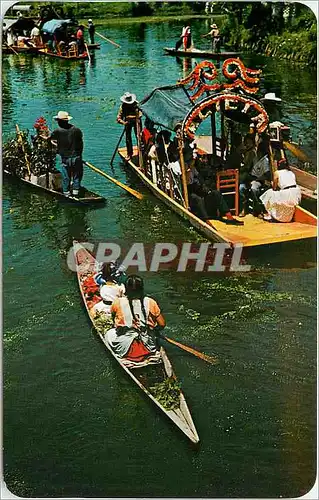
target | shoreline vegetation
x=278, y=29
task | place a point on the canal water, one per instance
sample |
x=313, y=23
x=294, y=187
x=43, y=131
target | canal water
x=74, y=425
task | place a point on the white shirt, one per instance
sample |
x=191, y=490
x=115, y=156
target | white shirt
x=35, y=31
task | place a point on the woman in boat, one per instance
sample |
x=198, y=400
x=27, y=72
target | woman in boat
x=110, y=289
x=134, y=317
x=280, y=201
x=185, y=39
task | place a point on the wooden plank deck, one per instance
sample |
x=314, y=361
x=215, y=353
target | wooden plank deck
x=256, y=231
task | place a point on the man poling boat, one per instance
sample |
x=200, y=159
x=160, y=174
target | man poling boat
x=33, y=162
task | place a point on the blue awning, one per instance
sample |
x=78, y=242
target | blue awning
x=167, y=106
x=55, y=25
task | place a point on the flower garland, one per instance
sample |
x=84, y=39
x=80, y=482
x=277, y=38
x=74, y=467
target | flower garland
x=191, y=121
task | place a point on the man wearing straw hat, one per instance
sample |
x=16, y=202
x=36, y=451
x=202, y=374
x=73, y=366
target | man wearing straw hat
x=127, y=116
x=69, y=142
x=215, y=36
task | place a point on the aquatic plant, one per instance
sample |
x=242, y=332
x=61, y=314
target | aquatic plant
x=167, y=393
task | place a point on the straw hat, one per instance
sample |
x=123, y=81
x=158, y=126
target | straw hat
x=128, y=98
x=271, y=96
x=63, y=115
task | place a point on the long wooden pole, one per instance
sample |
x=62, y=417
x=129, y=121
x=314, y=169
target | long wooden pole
x=10, y=47
x=183, y=169
x=88, y=53
x=209, y=359
x=23, y=150
x=139, y=139
x=137, y=195
x=118, y=143
x=104, y=38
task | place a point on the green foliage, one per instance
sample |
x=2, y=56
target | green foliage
x=167, y=393
x=102, y=322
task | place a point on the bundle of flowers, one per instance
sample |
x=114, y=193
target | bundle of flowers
x=42, y=157
x=91, y=291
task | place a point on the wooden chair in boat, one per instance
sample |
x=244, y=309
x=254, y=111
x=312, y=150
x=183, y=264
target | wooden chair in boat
x=227, y=182
x=73, y=50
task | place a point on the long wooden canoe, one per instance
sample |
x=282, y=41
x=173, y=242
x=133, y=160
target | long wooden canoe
x=85, y=196
x=94, y=46
x=197, y=53
x=81, y=57
x=20, y=50
x=254, y=232
x=151, y=373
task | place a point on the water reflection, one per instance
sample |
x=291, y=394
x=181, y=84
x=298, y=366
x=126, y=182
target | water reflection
x=60, y=223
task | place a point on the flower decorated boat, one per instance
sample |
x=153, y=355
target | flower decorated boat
x=210, y=112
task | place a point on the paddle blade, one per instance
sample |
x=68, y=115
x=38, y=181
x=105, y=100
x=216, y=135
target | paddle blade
x=213, y=360
x=296, y=151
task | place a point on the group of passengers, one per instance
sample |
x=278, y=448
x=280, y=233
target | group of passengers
x=273, y=198
x=69, y=42
x=65, y=41
x=137, y=318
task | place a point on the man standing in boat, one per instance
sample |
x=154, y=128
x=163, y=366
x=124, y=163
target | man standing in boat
x=127, y=116
x=215, y=36
x=80, y=39
x=69, y=142
x=91, y=31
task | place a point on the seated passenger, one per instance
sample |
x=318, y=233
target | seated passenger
x=110, y=289
x=208, y=203
x=249, y=159
x=280, y=201
x=135, y=317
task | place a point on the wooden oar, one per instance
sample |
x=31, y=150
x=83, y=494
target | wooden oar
x=88, y=53
x=296, y=151
x=10, y=47
x=118, y=183
x=115, y=150
x=23, y=150
x=209, y=359
x=104, y=38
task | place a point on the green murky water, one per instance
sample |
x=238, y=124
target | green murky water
x=73, y=423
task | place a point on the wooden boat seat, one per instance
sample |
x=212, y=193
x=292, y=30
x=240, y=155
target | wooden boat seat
x=227, y=182
x=72, y=51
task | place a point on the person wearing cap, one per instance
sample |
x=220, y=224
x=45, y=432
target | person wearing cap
x=80, y=39
x=127, y=116
x=91, y=31
x=270, y=102
x=69, y=142
x=215, y=36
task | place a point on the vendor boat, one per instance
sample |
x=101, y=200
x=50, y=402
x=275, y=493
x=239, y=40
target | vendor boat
x=146, y=373
x=189, y=103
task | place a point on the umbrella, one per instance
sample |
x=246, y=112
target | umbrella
x=55, y=25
